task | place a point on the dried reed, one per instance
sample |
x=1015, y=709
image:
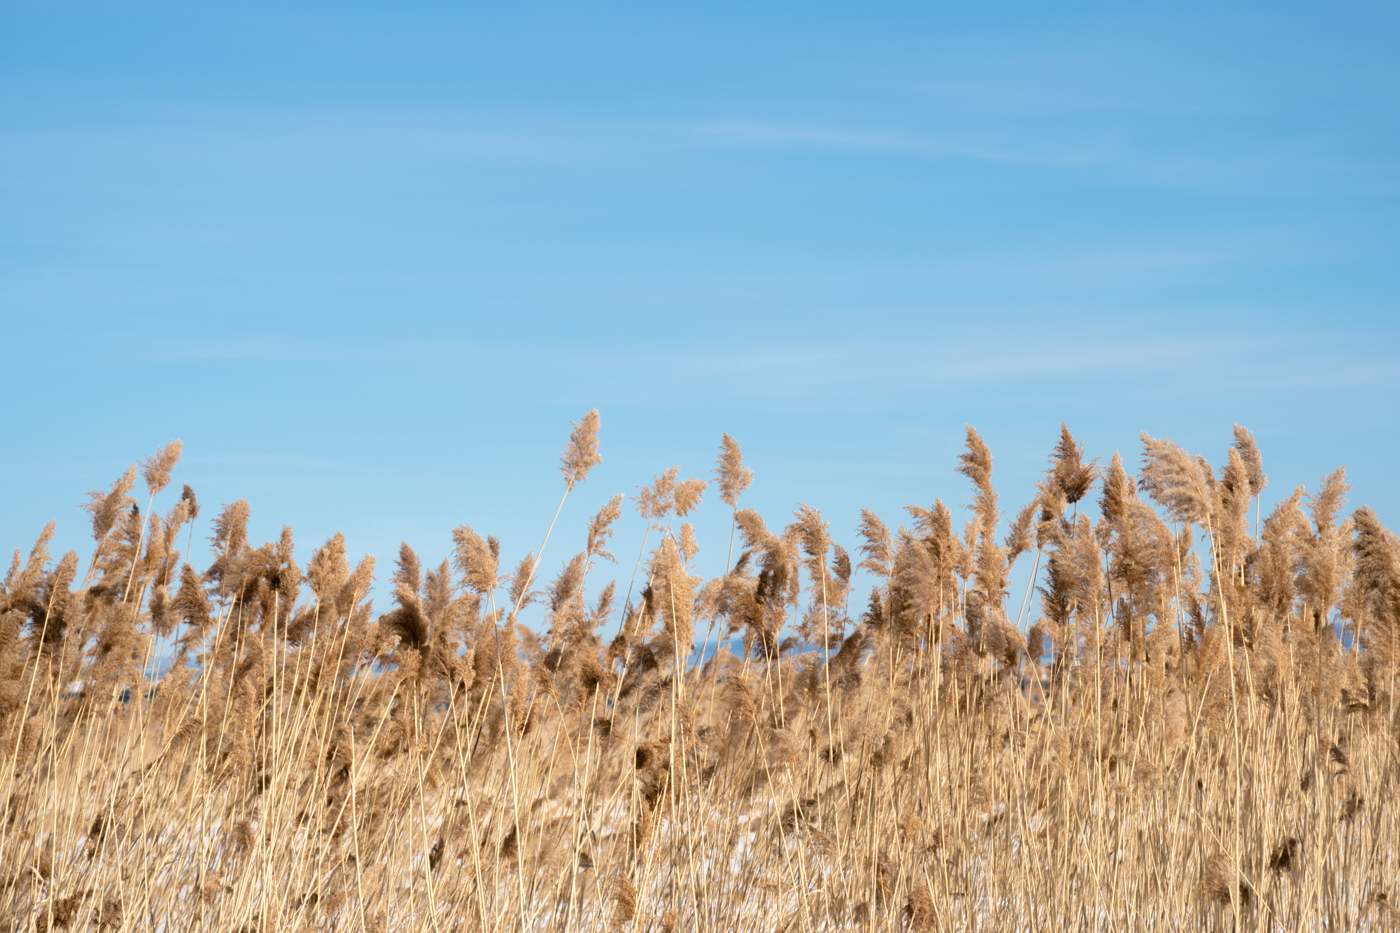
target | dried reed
x=1197, y=730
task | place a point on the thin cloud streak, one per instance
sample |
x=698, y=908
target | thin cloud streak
x=873, y=367
x=875, y=372
x=297, y=140
x=767, y=134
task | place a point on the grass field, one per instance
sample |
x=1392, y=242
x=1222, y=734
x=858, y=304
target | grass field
x=1190, y=724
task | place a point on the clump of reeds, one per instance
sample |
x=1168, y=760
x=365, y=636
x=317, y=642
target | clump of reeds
x=1192, y=723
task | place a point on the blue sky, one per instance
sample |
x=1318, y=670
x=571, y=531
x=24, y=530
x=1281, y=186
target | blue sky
x=368, y=262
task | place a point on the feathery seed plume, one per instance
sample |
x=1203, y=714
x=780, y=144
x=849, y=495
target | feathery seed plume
x=816, y=542
x=518, y=583
x=600, y=529
x=687, y=496
x=1052, y=509
x=328, y=569
x=582, y=452
x=1176, y=481
x=731, y=473
x=603, y=608
x=190, y=605
x=673, y=592
x=1328, y=500
x=1068, y=471
x=357, y=587
x=1375, y=596
x=567, y=585
x=230, y=540
x=624, y=902
x=689, y=547
x=22, y=585
x=477, y=560
x=1118, y=491
x=187, y=495
x=878, y=549
x=1019, y=537
x=106, y=507
x=976, y=464
x=654, y=502
x=155, y=470
x=1253, y=462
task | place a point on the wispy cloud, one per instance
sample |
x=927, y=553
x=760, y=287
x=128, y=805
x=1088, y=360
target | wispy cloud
x=882, y=372
x=863, y=370
x=757, y=133
x=251, y=141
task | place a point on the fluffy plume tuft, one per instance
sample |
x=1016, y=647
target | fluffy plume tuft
x=1180, y=484
x=582, y=453
x=1253, y=462
x=155, y=470
x=730, y=472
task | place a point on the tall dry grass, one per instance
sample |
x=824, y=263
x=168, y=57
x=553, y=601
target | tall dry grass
x=1180, y=741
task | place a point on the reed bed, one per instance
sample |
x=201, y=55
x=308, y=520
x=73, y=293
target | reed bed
x=1189, y=724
